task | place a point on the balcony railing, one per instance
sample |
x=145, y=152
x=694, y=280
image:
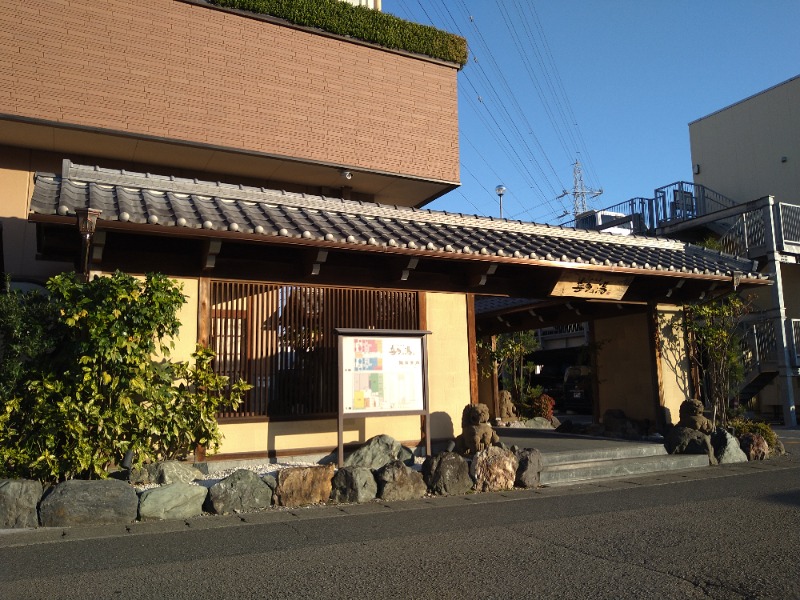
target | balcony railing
x=759, y=344
x=683, y=201
x=746, y=233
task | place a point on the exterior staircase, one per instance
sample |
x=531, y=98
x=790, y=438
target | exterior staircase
x=628, y=459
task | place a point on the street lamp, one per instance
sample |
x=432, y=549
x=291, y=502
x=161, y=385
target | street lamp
x=500, y=190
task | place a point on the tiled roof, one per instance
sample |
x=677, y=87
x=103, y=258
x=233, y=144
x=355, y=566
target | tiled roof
x=170, y=202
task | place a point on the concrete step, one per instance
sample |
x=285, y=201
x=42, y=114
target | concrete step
x=590, y=455
x=565, y=473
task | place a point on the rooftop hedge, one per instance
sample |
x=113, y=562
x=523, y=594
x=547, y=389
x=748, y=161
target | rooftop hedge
x=360, y=23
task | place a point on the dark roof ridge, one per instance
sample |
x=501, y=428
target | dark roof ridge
x=121, y=177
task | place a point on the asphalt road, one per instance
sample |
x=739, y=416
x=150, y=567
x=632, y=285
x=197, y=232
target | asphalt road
x=725, y=532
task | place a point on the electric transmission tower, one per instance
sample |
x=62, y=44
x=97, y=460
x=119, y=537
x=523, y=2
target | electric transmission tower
x=579, y=191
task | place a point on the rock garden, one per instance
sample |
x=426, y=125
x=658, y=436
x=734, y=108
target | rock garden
x=381, y=469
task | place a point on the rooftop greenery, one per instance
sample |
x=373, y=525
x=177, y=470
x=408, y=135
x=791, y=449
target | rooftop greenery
x=360, y=23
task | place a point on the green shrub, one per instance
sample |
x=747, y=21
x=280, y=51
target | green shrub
x=27, y=323
x=99, y=392
x=361, y=23
x=742, y=426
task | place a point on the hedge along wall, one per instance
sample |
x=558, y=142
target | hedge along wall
x=361, y=23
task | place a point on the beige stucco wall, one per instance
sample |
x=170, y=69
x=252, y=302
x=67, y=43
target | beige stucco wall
x=448, y=389
x=740, y=148
x=19, y=237
x=675, y=380
x=625, y=366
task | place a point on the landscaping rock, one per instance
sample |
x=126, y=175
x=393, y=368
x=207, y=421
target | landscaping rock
x=539, y=423
x=18, y=500
x=300, y=486
x=682, y=440
x=354, y=484
x=270, y=480
x=726, y=448
x=396, y=481
x=754, y=446
x=140, y=475
x=172, y=501
x=494, y=469
x=77, y=502
x=378, y=452
x=529, y=467
x=447, y=474
x=617, y=424
x=241, y=491
x=779, y=449
x=173, y=471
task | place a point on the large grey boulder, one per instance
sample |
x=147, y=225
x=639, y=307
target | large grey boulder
x=447, y=474
x=354, y=484
x=396, y=481
x=494, y=469
x=539, y=423
x=378, y=452
x=241, y=491
x=301, y=486
x=683, y=440
x=529, y=468
x=18, y=500
x=726, y=448
x=172, y=501
x=173, y=471
x=77, y=502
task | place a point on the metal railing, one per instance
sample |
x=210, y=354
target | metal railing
x=683, y=201
x=747, y=232
x=638, y=208
x=790, y=223
x=759, y=344
x=796, y=343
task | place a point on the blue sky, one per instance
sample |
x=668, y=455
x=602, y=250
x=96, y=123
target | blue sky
x=612, y=83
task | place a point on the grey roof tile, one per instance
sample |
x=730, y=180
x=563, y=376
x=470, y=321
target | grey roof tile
x=141, y=198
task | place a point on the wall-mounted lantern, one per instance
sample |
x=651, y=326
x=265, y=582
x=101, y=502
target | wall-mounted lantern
x=87, y=224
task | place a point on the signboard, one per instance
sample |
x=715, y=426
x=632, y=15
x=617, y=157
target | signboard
x=600, y=286
x=382, y=373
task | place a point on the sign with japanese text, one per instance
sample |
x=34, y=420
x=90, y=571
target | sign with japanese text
x=600, y=286
x=382, y=374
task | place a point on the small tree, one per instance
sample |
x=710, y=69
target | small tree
x=716, y=349
x=95, y=390
x=510, y=353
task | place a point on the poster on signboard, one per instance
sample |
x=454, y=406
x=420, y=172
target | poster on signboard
x=382, y=374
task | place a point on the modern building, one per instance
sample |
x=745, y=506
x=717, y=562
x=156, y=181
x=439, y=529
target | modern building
x=749, y=152
x=278, y=172
x=745, y=194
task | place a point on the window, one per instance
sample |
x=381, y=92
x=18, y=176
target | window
x=281, y=340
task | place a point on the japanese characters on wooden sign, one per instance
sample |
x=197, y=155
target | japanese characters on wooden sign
x=600, y=286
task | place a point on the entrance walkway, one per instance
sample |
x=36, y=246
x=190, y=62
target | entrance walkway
x=570, y=458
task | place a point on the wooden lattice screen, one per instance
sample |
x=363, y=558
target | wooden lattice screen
x=281, y=340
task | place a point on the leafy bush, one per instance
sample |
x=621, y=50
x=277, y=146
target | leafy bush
x=542, y=406
x=27, y=321
x=98, y=392
x=742, y=426
x=361, y=23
